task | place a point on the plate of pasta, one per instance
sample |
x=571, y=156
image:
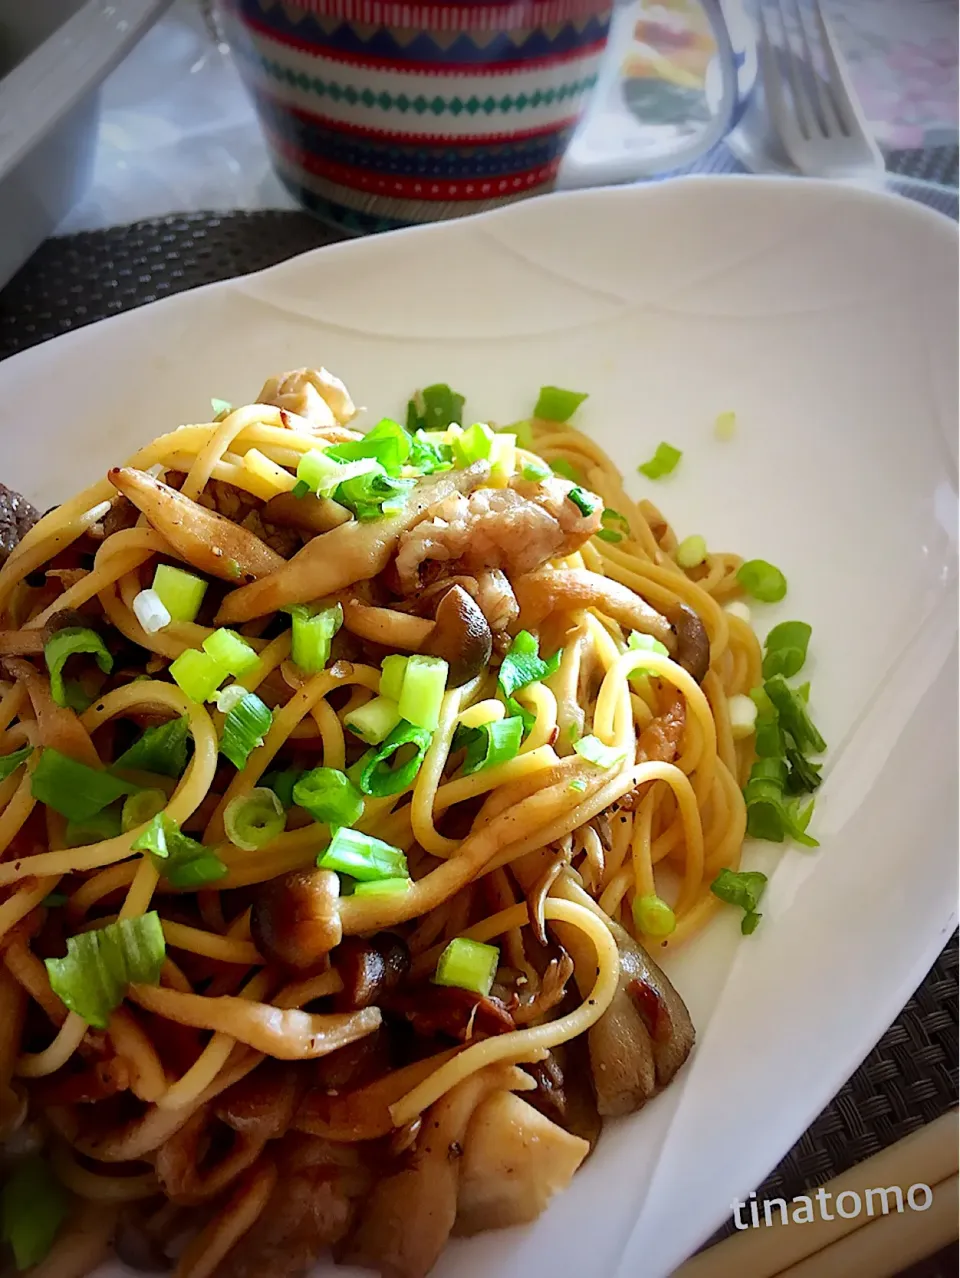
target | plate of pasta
x=477, y=831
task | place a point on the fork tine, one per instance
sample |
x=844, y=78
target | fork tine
x=800, y=101
x=823, y=104
x=770, y=75
x=840, y=93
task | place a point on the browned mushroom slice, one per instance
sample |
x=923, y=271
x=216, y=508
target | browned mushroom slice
x=545, y=591
x=386, y=626
x=309, y=512
x=201, y=537
x=693, y=643
x=353, y=552
x=461, y=636
x=296, y=919
x=57, y=726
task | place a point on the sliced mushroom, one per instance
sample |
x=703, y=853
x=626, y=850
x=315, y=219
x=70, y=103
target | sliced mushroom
x=296, y=919
x=57, y=726
x=693, y=643
x=311, y=513
x=311, y=393
x=461, y=636
x=206, y=540
x=368, y=969
x=353, y=552
x=394, y=630
x=570, y=589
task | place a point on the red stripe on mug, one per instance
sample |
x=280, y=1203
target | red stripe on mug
x=474, y=15
x=420, y=188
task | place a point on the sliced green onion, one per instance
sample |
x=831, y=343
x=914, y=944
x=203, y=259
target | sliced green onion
x=181, y=593
x=374, y=494
x=140, y=808
x=282, y=783
x=692, y=551
x=430, y=453
x=566, y=470
x=94, y=829
x=424, y=684
x=762, y=580
x=329, y=796
x=742, y=712
x=523, y=664
x=65, y=643
x=392, y=673
x=33, y=1204
x=182, y=861
x=312, y=635
x=524, y=433
x=737, y=608
x=594, y=751
x=794, y=716
x=490, y=743
x=373, y=722
x=300, y=489
x=10, y=762
x=663, y=462
x=379, y=773
x=255, y=819
x=244, y=729
x=786, y=649
x=388, y=443
x=803, y=776
x=230, y=652
x=503, y=458
x=557, y=405
x=323, y=474
x=577, y=785
x=161, y=749
x=468, y=965
x=770, y=814
x=639, y=642
x=74, y=790
x=150, y=610
x=198, y=674
x=473, y=445
x=383, y=887
x=585, y=502
x=435, y=408
x=615, y=526
x=55, y=900
x=221, y=408
x=363, y=857
x=653, y=916
x=725, y=427
x=533, y=471
x=99, y=965
x=742, y=888
x=227, y=698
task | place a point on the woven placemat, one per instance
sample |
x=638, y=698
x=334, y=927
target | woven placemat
x=910, y=1077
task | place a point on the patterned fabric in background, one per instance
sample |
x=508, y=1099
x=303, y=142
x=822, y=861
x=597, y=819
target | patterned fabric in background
x=902, y=56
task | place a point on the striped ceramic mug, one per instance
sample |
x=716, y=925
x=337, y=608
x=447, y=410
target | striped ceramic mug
x=380, y=113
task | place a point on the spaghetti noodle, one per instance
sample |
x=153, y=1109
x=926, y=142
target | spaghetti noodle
x=398, y=870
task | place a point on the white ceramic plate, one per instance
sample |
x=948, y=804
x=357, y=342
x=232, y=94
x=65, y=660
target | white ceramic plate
x=826, y=318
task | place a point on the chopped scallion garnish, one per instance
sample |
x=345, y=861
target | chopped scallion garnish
x=392, y=671
x=489, y=743
x=794, y=716
x=762, y=580
x=230, y=652
x=595, y=751
x=33, y=1204
x=181, y=593
x=374, y=721
x=534, y=472
x=692, y=551
x=329, y=796
x=99, y=965
x=253, y=820
x=786, y=649
x=566, y=470
x=74, y=790
x=363, y=857
x=393, y=766
x=585, y=502
x=653, y=916
x=742, y=888
x=282, y=783
x=388, y=443
x=244, y=729
x=312, y=635
x=10, y=762
x=473, y=444
x=150, y=610
x=182, y=861
x=557, y=405
x=64, y=644
x=663, y=462
x=161, y=749
x=468, y=965
x=94, y=829
x=198, y=674
x=424, y=683
x=435, y=408
x=140, y=808
x=383, y=887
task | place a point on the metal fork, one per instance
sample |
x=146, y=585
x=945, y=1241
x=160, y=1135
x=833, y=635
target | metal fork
x=813, y=108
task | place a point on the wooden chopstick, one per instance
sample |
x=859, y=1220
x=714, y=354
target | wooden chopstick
x=888, y=1244
x=926, y=1157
